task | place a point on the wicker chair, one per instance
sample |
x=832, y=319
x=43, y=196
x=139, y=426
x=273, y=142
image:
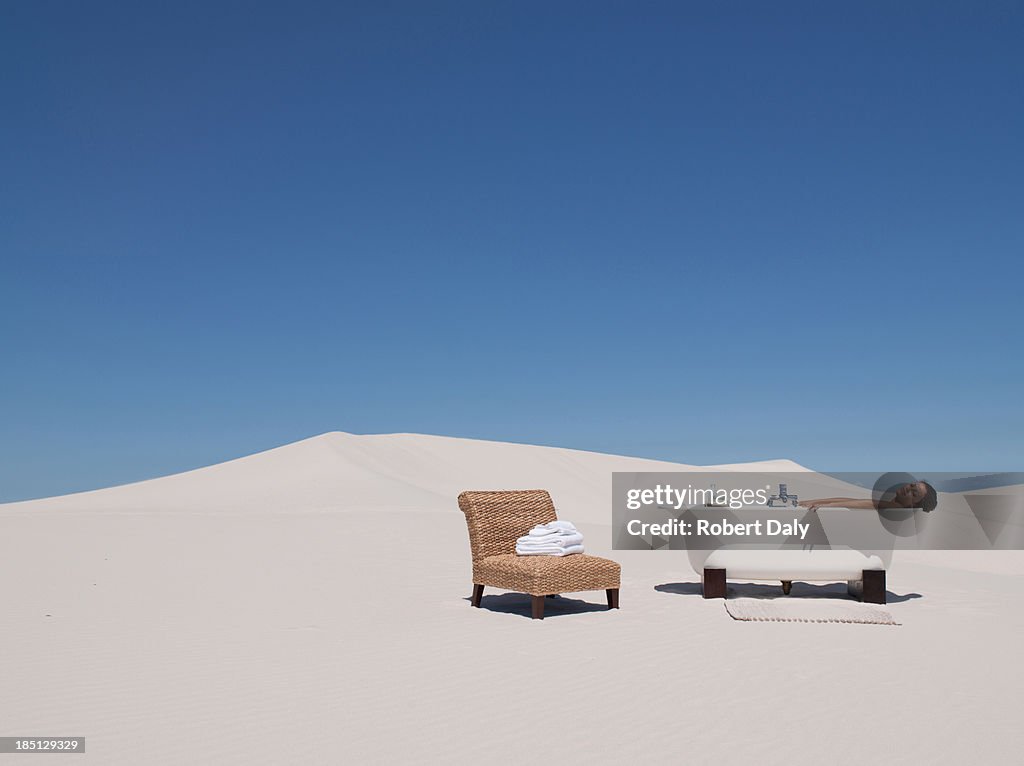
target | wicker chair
x=496, y=520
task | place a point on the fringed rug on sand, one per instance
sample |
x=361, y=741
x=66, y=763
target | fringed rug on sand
x=806, y=610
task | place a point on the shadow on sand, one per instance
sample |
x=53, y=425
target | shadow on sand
x=521, y=604
x=767, y=590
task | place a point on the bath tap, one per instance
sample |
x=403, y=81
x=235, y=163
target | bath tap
x=783, y=498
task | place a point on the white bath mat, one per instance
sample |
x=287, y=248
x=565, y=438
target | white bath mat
x=807, y=610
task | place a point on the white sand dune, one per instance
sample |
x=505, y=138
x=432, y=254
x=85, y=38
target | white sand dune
x=309, y=605
x=339, y=471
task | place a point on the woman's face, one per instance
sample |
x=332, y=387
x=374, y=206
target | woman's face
x=911, y=495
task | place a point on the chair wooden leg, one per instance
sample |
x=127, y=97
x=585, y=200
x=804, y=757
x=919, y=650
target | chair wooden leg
x=714, y=583
x=787, y=586
x=538, y=607
x=613, y=597
x=874, y=586
x=478, y=592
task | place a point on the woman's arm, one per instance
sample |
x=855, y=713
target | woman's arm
x=838, y=502
x=850, y=502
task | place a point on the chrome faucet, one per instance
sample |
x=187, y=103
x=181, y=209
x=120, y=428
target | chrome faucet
x=783, y=498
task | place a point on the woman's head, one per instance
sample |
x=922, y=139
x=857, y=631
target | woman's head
x=918, y=494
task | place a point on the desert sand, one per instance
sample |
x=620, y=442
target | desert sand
x=309, y=605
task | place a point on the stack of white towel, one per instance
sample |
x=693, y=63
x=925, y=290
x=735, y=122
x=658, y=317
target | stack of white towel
x=556, y=538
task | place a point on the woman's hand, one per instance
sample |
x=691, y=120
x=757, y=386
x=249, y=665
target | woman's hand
x=838, y=502
x=813, y=505
x=825, y=502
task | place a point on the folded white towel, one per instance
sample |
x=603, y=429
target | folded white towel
x=562, y=541
x=552, y=550
x=553, y=527
x=551, y=535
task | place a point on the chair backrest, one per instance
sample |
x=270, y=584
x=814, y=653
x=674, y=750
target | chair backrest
x=497, y=519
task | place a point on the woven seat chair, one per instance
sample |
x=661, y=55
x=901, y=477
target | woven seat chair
x=496, y=520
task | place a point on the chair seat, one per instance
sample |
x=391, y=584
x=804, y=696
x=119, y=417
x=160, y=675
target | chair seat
x=546, y=575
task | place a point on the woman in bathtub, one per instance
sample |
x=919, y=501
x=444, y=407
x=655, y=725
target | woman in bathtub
x=916, y=494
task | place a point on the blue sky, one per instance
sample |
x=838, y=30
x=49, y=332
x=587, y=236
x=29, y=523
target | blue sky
x=702, y=232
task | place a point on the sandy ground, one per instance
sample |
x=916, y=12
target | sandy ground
x=329, y=635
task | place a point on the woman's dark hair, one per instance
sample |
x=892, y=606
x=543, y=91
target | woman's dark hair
x=930, y=499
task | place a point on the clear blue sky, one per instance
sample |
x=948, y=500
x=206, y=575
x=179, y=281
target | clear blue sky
x=702, y=231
